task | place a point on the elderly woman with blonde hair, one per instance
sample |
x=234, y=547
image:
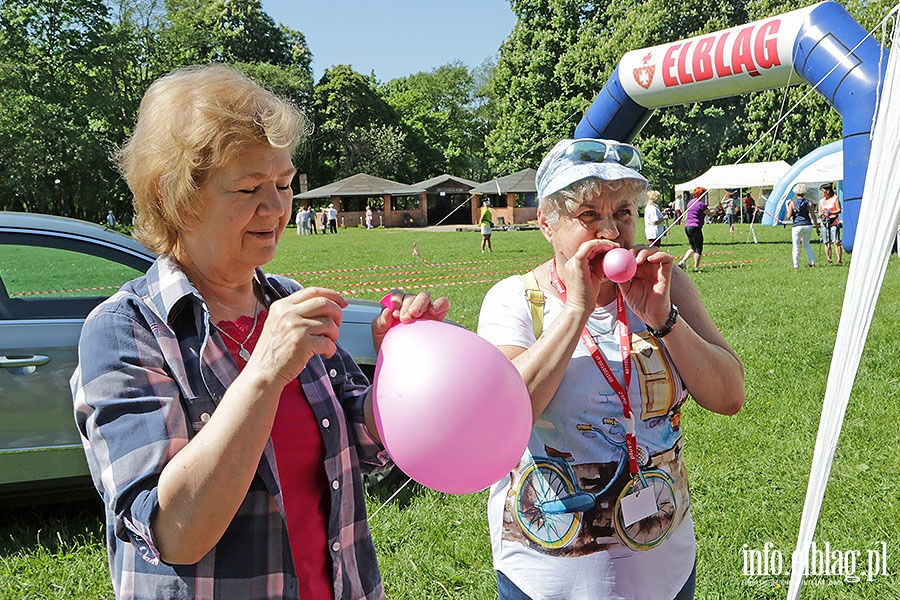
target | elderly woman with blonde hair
x=224, y=425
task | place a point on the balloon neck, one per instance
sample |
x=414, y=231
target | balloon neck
x=388, y=304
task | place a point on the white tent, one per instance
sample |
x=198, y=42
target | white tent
x=745, y=175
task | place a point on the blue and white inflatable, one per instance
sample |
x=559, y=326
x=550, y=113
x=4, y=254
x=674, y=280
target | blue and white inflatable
x=818, y=166
x=820, y=44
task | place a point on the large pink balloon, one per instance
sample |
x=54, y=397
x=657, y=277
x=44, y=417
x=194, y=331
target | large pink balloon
x=451, y=409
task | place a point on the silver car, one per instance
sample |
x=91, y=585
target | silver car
x=53, y=272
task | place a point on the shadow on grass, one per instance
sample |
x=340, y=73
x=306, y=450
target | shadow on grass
x=53, y=527
x=380, y=488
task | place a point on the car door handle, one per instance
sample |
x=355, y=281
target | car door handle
x=17, y=362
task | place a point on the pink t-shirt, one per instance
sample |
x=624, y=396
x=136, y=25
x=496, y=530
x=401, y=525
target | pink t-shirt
x=829, y=209
x=300, y=458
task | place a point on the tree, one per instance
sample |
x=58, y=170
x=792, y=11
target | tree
x=241, y=33
x=438, y=108
x=61, y=111
x=203, y=31
x=533, y=106
x=72, y=73
x=351, y=122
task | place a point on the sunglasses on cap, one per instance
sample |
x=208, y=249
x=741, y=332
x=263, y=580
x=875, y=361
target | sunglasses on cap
x=598, y=151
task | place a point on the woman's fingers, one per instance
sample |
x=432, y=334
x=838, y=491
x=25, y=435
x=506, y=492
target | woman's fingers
x=304, y=324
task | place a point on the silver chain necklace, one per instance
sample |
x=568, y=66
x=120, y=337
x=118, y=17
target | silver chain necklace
x=242, y=352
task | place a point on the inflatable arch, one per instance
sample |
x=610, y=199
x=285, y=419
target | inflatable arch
x=820, y=44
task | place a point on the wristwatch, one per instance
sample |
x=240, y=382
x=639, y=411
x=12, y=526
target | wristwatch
x=668, y=326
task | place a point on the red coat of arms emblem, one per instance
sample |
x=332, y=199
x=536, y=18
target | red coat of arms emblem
x=644, y=75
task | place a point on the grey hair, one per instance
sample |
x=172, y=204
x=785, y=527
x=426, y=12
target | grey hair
x=568, y=200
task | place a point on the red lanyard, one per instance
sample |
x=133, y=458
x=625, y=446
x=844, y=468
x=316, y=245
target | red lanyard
x=625, y=348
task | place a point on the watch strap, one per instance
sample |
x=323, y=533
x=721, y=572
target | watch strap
x=668, y=326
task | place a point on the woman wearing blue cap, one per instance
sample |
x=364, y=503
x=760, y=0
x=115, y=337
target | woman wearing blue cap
x=598, y=507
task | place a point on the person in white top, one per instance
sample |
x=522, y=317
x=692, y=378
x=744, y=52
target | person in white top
x=678, y=206
x=332, y=218
x=300, y=220
x=654, y=221
x=590, y=512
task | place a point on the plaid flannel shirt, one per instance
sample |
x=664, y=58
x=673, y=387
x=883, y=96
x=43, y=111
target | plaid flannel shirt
x=150, y=374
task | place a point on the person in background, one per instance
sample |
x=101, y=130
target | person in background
x=803, y=213
x=749, y=207
x=679, y=206
x=654, y=221
x=368, y=217
x=487, y=226
x=697, y=211
x=728, y=207
x=300, y=221
x=311, y=219
x=224, y=425
x=110, y=220
x=830, y=216
x=557, y=521
x=332, y=218
x=307, y=220
x=325, y=220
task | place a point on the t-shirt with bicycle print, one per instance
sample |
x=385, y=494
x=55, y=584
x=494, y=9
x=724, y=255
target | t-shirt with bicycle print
x=557, y=520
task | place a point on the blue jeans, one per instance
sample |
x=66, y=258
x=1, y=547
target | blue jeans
x=507, y=590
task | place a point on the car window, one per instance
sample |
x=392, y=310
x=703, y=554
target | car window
x=45, y=282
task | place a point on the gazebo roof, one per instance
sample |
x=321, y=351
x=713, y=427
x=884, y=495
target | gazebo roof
x=520, y=182
x=445, y=178
x=361, y=184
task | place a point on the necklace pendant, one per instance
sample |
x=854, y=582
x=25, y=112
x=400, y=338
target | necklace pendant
x=244, y=354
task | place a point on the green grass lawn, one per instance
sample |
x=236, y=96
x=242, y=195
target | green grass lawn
x=748, y=473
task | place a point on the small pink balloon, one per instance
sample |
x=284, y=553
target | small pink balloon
x=450, y=408
x=619, y=265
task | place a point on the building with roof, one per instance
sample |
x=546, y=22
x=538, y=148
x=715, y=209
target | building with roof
x=394, y=204
x=444, y=199
x=448, y=199
x=513, y=198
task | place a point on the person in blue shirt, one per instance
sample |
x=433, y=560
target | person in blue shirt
x=803, y=213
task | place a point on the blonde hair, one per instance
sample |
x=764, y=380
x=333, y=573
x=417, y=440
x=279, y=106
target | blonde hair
x=568, y=200
x=192, y=121
x=653, y=196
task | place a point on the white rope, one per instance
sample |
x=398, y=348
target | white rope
x=385, y=503
x=879, y=218
x=455, y=209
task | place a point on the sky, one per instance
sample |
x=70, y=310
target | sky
x=396, y=38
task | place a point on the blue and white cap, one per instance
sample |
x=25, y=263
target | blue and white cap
x=562, y=167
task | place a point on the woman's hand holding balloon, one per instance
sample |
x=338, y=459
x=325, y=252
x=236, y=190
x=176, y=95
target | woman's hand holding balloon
x=648, y=292
x=440, y=429
x=406, y=308
x=304, y=324
x=583, y=273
